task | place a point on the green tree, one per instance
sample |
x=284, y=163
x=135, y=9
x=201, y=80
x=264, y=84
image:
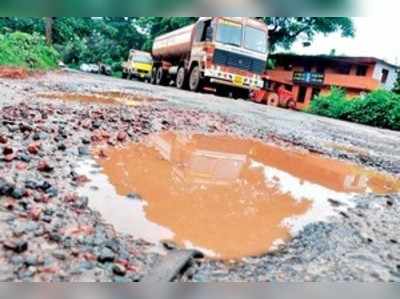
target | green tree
x=23, y=24
x=108, y=39
x=284, y=31
x=396, y=87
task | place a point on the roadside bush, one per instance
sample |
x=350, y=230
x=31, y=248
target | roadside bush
x=332, y=105
x=379, y=108
x=27, y=51
x=374, y=109
x=394, y=117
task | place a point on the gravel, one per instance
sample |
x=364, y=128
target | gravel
x=48, y=233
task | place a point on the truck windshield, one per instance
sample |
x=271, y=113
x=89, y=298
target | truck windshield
x=141, y=58
x=255, y=39
x=229, y=33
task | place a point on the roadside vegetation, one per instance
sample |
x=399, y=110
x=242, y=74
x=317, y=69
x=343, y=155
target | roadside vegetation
x=28, y=51
x=109, y=39
x=379, y=108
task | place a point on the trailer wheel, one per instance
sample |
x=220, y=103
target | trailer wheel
x=181, y=80
x=160, y=77
x=291, y=104
x=195, y=79
x=153, y=75
x=273, y=100
x=241, y=94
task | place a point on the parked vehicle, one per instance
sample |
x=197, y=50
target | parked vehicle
x=228, y=53
x=138, y=65
x=99, y=68
x=89, y=68
x=105, y=69
x=274, y=94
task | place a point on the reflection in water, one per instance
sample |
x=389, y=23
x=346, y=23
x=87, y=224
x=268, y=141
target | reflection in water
x=229, y=197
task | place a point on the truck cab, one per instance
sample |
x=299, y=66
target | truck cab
x=138, y=65
x=228, y=53
x=236, y=52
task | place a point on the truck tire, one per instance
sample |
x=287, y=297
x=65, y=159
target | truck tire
x=160, y=76
x=153, y=75
x=181, y=80
x=241, y=94
x=222, y=91
x=195, y=79
x=124, y=75
x=291, y=104
x=273, y=100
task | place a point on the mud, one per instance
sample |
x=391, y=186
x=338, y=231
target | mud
x=226, y=196
x=109, y=98
x=13, y=73
x=65, y=239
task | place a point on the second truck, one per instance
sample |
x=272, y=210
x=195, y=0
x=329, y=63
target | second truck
x=225, y=53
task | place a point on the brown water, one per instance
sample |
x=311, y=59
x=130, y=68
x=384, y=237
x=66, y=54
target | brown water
x=110, y=97
x=226, y=196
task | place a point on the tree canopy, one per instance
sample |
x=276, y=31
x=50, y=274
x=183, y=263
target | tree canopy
x=108, y=39
x=285, y=31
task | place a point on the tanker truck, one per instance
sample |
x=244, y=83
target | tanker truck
x=228, y=54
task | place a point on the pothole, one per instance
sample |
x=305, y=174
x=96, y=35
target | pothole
x=225, y=196
x=109, y=97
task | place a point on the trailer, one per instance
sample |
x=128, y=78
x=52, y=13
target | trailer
x=227, y=53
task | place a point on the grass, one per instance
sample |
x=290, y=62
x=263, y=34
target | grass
x=28, y=51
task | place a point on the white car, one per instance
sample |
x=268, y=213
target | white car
x=89, y=68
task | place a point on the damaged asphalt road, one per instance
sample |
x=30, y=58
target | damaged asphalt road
x=48, y=232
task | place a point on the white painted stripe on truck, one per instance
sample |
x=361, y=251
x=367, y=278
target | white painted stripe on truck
x=215, y=72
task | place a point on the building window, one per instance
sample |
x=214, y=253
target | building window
x=288, y=67
x=302, y=94
x=315, y=93
x=361, y=70
x=288, y=87
x=307, y=68
x=344, y=69
x=320, y=69
x=385, y=74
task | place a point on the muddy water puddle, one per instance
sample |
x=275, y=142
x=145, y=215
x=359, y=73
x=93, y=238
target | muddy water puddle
x=226, y=196
x=109, y=97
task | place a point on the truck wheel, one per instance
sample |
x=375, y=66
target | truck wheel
x=160, y=77
x=195, y=79
x=241, y=94
x=181, y=80
x=153, y=75
x=291, y=104
x=222, y=91
x=124, y=75
x=273, y=100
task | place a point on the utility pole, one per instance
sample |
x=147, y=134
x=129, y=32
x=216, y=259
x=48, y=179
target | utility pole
x=49, y=30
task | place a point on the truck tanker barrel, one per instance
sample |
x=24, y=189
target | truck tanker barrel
x=173, y=45
x=227, y=54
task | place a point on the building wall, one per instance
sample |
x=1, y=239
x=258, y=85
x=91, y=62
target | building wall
x=353, y=84
x=392, y=76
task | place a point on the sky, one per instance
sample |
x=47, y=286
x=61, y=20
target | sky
x=374, y=36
